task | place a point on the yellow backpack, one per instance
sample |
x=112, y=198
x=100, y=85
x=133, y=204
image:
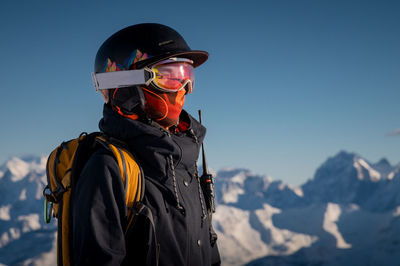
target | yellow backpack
x=64, y=166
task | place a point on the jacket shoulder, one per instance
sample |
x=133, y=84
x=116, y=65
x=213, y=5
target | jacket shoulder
x=100, y=171
x=101, y=159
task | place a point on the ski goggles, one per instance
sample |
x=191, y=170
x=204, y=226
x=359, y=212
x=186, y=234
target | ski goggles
x=170, y=75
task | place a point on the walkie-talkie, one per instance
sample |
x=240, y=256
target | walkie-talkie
x=206, y=180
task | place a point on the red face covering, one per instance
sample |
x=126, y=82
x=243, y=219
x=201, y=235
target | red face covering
x=163, y=107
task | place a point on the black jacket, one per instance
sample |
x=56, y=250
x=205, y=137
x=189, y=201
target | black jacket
x=172, y=193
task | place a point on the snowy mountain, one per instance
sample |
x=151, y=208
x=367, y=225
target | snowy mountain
x=24, y=237
x=347, y=214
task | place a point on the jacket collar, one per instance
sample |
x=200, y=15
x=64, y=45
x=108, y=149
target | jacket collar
x=152, y=144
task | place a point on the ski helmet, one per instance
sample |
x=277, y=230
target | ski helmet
x=136, y=47
x=158, y=42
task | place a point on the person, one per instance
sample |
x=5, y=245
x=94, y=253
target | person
x=144, y=72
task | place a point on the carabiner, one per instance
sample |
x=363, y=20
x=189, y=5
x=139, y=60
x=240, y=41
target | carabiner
x=47, y=212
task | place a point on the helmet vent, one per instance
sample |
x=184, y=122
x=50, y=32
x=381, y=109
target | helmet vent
x=165, y=42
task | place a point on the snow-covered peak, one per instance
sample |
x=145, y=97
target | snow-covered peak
x=241, y=176
x=231, y=183
x=23, y=180
x=21, y=167
x=384, y=168
x=341, y=158
x=21, y=202
x=229, y=173
x=18, y=168
x=364, y=170
x=383, y=163
x=346, y=167
x=395, y=174
x=242, y=188
x=348, y=178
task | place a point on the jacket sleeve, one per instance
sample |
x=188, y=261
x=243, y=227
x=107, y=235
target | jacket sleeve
x=99, y=213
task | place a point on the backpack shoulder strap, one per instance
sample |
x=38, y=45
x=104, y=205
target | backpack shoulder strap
x=131, y=174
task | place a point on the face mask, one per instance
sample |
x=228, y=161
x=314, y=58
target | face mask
x=163, y=107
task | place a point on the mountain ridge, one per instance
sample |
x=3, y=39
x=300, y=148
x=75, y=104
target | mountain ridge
x=330, y=214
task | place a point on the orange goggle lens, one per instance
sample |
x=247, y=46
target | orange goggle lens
x=174, y=75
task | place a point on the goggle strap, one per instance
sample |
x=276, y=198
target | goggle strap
x=120, y=79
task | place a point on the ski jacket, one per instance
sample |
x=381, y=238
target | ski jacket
x=172, y=193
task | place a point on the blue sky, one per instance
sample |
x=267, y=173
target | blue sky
x=288, y=83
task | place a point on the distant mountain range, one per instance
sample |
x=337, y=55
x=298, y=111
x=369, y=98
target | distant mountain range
x=347, y=214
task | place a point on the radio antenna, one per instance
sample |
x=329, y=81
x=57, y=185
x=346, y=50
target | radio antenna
x=206, y=179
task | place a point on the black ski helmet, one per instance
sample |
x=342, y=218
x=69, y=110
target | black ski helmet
x=158, y=41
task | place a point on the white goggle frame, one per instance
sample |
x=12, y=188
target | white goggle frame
x=128, y=78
